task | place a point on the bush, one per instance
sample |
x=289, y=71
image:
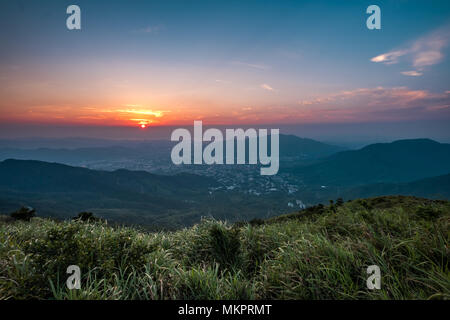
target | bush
x=427, y=213
x=24, y=214
x=86, y=216
x=256, y=222
x=225, y=246
x=93, y=247
x=315, y=254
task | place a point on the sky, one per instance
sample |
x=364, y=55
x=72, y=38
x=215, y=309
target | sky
x=310, y=67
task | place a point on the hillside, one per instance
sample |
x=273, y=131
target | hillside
x=319, y=253
x=132, y=197
x=173, y=201
x=399, y=161
x=30, y=175
x=123, y=151
x=128, y=196
x=434, y=188
x=290, y=146
x=293, y=146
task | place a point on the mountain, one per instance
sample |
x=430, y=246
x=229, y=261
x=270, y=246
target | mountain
x=123, y=195
x=78, y=156
x=31, y=175
x=399, y=161
x=432, y=188
x=293, y=146
x=136, y=197
x=72, y=143
x=70, y=156
x=231, y=193
x=135, y=151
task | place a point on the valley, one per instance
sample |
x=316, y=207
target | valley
x=136, y=183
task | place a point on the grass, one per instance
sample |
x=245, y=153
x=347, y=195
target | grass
x=319, y=253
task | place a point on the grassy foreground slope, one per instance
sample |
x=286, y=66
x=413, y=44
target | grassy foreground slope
x=319, y=253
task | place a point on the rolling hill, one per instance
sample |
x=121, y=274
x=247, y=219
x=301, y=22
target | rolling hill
x=319, y=253
x=290, y=146
x=431, y=188
x=132, y=197
x=31, y=175
x=408, y=167
x=129, y=196
x=293, y=146
x=396, y=162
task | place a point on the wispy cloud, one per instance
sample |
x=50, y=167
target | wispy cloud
x=379, y=96
x=250, y=65
x=379, y=103
x=156, y=114
x=223, y=81
x=138, y=109
x=424, y=52
x=389, y=57
x=412, y=73
x=151, y=29
x=265, y=86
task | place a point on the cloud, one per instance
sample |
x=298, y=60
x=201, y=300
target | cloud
x=380, y=103
x=250, y=65
x=151, y=29
x=147, y=112
x=223, y=81
x=411, y=73
x=424, y=52
x=379, y=96
x=390, y=57
x=265, y=86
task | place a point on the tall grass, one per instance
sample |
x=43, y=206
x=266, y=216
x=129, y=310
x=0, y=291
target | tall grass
x=320, y=253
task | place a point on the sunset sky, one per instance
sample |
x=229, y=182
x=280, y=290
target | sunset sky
x=224, y=62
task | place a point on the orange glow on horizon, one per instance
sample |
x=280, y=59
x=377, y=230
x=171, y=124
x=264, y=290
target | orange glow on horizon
x=356, y=105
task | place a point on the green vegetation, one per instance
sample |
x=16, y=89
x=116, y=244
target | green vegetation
x=24, y=214
x=86, y=216
x=319, y=253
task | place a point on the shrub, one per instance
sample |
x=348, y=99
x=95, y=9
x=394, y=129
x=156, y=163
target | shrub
x=225, y=246
x=24, y=213
x=256, y=222
x=315, y=254
x=86, y=216
x=427, y=213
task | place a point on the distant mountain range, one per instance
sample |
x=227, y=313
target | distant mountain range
x=31, y=176
x=408, y=167
x=57, y=190
x=77, y=156
x=290, y=147
x=399, y=161
x=293, y=146
x=432, y=188
x=136, y=197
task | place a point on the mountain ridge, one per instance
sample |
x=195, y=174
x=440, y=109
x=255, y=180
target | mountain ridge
x=398, y=161
x=290, y=146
